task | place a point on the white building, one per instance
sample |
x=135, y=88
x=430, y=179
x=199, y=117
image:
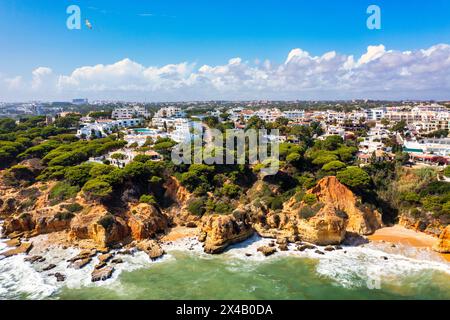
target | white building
x=140, y=136
x=130, y=112
x=294, y=115
x=186, y=130
x=440, y=147
x=103, y=128
x=169, y=112
x=375, y=114
x=269, y=115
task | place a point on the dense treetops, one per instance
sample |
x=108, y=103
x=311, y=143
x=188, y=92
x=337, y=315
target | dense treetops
x=216, y=188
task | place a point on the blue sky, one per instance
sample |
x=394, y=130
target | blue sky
x=160, y=32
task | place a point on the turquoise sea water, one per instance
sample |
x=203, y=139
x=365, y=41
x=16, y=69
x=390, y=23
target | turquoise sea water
x=185, y=272
x=191, y=277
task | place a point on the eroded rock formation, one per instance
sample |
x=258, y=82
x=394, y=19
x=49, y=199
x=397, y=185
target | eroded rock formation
x=443, y=244
x=219, y=231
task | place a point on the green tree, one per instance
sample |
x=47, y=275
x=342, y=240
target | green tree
x=399, y=127
x=354, y=177
x=293, y=157
x=310, y=199
x=334, y=166
x=197, y=207
x=97, y=189
x=447, y=171
x=78, y=175
x=149, y=199
x=255, y=123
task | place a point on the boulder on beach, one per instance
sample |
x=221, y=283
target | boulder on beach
x=105, y=257
x=220, y=231
x=102, y=274
x=23, y=248
x=266, y=250
x=151, y=248
x=79, y=264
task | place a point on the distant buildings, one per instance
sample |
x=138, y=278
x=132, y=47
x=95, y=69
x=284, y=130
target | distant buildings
x=140, y=136
x=294, y=115
x=170, y=112
x=439, y=147
x=425, y=118
x=130, y=112
x=375, y=114
x=80, y=101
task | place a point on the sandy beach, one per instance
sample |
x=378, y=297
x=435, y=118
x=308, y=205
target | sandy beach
x=401, y=235
x=178, y=233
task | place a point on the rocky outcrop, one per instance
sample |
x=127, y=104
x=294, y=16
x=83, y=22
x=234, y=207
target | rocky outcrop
x=336, y=211
x=179, y=197
x=425, y=223
x=219, y=231
x=21, y=223
x=145, y=221
x=8, y=205
x=443, y=244
x=151, y=248
x=23, y=248
x=267, y=251
x=102, y=274
x=336, y=196
x=100, y=226
x=323, y=229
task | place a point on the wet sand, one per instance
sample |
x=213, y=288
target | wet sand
x=401, y=235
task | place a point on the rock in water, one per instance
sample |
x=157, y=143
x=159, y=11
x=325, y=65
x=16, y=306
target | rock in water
x=105, y=257
x=283, y=247
x=303, y=247
x=13, y=242
x=23, y=248
x=100, y=265
x=267, y=251
x=49, y=267
x=102, y=274
x=34, y=259
x=60, y=277
x=117, y=261
x=83, y=255
x=79, y=264
x=151, y=248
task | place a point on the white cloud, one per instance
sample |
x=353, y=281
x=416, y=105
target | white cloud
x=13, y=83
x=378, y=74
x=373, y=53
x=40, y=75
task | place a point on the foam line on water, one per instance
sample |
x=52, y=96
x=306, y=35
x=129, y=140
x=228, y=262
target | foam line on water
x=349, y=267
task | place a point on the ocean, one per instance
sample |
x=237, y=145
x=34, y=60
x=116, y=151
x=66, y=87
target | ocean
x=185, y=272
